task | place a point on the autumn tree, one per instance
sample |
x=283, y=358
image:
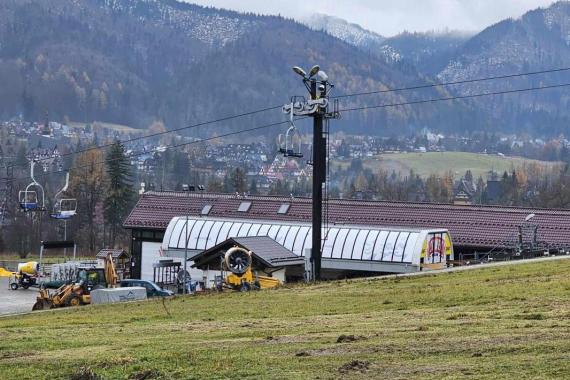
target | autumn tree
x=88, y=184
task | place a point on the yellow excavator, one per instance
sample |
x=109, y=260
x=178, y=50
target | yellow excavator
x=79, y=292
x=238, y=261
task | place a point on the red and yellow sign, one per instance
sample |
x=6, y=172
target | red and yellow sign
x=436, y=248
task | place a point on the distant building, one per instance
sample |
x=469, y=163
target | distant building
x=494, y=189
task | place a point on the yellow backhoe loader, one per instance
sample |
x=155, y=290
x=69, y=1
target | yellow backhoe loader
x=238, y=261
x=79, y=292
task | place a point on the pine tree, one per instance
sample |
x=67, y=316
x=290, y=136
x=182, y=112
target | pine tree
x=253, y=187
x=239, y=180
x=119, y=190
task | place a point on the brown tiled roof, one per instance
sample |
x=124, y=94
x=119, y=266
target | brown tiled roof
x=116, y=253
x=470, y=225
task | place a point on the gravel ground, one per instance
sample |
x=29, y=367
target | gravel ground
x=15, y=301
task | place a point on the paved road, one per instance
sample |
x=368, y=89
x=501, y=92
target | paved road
x=15, y=301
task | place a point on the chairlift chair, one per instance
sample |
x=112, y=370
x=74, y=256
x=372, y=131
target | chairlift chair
x=310, y=160
x=287, y=147
x=29, y=199
x=290, y=150
x=64, y=208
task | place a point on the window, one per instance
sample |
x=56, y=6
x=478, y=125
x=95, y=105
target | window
x=283, y=208
x=244, y=206
x=206, y=210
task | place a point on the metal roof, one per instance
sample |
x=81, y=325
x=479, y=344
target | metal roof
x=469, y=225
x=340, y=242
x=264, y=249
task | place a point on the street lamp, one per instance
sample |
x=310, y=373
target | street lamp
x=300, y=71
x=314, y=70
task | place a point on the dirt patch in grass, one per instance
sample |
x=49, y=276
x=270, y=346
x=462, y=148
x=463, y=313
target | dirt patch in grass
x=84, y=373
x=349, y=338
x=11, y=355
x=355, y=366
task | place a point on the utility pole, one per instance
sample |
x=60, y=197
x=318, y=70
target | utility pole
x=316, y=107
x=319, y=177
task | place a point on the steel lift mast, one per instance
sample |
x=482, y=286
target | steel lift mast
x=319, y=87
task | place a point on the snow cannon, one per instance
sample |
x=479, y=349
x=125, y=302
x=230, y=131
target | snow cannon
x=239, y=262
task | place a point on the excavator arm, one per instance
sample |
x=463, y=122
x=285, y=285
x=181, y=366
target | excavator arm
x=110, y=272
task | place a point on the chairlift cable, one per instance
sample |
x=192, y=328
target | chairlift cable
x=442, y=84
x=219, y=120
x=433, y=100
x=167, y=147
x=227, y=118
x=458, y=97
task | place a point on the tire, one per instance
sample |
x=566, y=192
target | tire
x=25, y=286
x=14, y=286
x=74, y=301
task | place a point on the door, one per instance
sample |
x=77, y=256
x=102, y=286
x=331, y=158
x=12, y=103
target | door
x=150, y=255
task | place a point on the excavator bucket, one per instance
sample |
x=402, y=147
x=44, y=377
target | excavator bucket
x=43, y=304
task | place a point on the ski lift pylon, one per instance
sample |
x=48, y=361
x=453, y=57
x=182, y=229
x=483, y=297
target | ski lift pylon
x=64, y=208
x=29, y=199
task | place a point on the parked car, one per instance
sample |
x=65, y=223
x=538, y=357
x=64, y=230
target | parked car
x=152, y=290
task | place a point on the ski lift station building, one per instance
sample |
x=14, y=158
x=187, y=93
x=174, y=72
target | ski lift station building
x=176, y=224
x=346, y=248
x=361, y=237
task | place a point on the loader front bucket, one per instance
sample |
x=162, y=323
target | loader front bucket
x=42, y=304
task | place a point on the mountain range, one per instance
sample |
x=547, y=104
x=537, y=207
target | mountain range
x=137, y=61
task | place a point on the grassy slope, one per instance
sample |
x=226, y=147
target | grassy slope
x=504, y=322
x=458, y=162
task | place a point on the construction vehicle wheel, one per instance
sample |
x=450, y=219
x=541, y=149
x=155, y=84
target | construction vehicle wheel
x=42, y=305
x=14, y=286
x=74, y=301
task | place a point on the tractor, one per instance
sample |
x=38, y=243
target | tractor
x=79, y=292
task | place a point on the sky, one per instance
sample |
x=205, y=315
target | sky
x=390, y=17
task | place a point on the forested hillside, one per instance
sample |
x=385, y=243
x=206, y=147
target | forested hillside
x=136, y=61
